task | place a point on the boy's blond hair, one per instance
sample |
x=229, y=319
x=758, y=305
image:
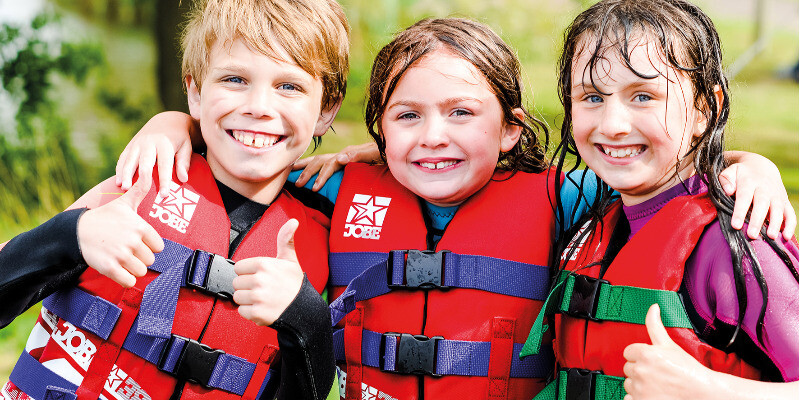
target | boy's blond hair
x=314, y=33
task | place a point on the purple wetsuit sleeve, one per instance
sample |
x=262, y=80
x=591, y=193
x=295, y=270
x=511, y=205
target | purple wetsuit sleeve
x=710, y=284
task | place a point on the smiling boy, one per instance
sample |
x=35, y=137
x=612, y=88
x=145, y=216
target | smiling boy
x=263, y=78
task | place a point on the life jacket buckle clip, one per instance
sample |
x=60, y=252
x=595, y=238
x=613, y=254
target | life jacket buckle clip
x=195, y=362
x=584, y=297
x=581, y=384
x=218, y=274
x=421, y=269
x=413, y=354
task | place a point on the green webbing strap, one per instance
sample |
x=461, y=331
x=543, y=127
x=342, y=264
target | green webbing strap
x=606, y=387
x=630, y=304
x=534, y=342
x=614, y=303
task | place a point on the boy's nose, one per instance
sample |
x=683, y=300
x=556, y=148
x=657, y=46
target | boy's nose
x=434, y=133
x=615, y=119
x=259, y=104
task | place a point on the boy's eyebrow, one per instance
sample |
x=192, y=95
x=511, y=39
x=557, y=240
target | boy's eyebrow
x=240, y=69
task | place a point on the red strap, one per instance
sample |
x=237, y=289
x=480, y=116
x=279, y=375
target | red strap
x=500, y=357
x=352, y=354
x=262, y=367
x=108, y=351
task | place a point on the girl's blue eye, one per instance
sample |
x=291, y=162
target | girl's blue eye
x=407, y=115
x=643, y=97
x=594, y=98
x=461, y=112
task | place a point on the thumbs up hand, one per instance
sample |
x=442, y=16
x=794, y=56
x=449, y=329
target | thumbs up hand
x=662, y=370
x=266, y=286
x=116, y=241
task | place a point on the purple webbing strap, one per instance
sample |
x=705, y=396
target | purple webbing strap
x=232, y=374
x=495, y=275
x=160, y=298
x=86, y=311
x=38, y=381
x=453, y=357
x=346, y=266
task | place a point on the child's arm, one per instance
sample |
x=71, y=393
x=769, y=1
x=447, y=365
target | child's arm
x=324, y=165
x=275, y=292
x=663, y=370
x=36, y=263
x=167, y=138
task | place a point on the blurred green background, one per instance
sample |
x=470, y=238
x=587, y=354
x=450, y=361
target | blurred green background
x=80, y=77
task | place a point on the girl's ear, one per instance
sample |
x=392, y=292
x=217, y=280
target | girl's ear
x=193, y=96
x=511, y=131
x=326, y=118
x=702, y=120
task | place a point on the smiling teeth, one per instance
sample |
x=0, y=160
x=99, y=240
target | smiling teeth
x=437, y=165
x=252, y=139
x=622, y=153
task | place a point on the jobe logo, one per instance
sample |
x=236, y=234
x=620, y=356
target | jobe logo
x=75, y=343
x=576, y=245
x=123, y=387
x=365, y=216
x=177, y=208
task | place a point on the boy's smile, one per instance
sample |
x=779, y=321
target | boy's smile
x=634, y=132
x=257, y=116
x=444, y=129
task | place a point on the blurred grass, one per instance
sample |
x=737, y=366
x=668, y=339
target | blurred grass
x=764, y=116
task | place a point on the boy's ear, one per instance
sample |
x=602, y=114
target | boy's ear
x=702, y=120
x=511, y=132
x=193, y=97
x=326, y=117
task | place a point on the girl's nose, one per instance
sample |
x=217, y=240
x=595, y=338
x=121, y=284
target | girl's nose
x=434, y=133
x=615, y=119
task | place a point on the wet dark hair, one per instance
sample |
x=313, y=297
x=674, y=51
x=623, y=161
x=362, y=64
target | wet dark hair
x=688, y=42
x=478, y=44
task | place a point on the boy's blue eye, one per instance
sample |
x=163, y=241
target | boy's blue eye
x=288, y=86
x=234, y=79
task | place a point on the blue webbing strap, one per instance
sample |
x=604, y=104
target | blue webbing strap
x=453, y=357
x=37, y=381
x=88, y=312
x=489, y=274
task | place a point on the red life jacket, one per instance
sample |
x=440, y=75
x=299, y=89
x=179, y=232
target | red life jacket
x=499, y=242
x=599, y=318
x=121, y=356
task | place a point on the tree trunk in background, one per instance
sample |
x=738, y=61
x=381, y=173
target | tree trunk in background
x=112, y=11
x=169, y=18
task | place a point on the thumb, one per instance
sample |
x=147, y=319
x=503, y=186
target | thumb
x=134, y=196
x=286, y=241
x=655, y=328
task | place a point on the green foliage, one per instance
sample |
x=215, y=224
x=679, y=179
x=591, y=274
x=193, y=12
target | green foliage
x=39, y=168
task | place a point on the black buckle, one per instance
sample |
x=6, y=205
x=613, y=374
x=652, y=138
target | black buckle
x=195, y=363
x=581, y=384
x=423, y=270
x=219, y=275
x=585, y=294
x=416, y=354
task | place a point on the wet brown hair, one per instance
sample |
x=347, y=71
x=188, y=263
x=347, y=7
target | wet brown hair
x=478, y=44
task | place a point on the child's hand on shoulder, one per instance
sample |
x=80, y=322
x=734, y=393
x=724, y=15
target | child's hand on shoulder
x=116, y=241
x=266, y=286
x=327, y=164
x=756, y=181
x=166, y=139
